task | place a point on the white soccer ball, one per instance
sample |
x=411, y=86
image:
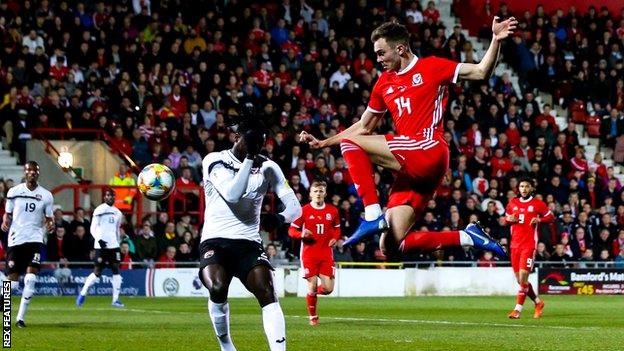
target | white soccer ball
x=156, y=182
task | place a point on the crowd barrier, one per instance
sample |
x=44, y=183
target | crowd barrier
x=350, y=282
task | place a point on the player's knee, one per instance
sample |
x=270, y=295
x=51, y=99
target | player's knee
x=265, y=294
x=218, y=291
x=349, y=142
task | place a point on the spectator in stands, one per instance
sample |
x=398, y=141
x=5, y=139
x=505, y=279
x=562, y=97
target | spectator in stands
x=125, y=195
x=559, y=255
x=146, y=244
x=168, y=258
x=126, y=256
x=81, y=247
x=58, y=245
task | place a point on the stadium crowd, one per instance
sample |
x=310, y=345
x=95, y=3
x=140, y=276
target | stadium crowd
x=164, y=77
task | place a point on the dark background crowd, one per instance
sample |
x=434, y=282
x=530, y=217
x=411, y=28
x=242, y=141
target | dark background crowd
x=164, y=77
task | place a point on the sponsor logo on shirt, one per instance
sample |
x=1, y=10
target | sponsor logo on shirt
x=209, y=254
x=328, y=216
x=530, y=208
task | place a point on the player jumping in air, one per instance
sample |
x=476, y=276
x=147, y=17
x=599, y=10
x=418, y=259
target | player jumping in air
x=105, y=226
x=319, y=228
x=524, y=213
x=415, y=90
x=27, y=218
x=235, y=182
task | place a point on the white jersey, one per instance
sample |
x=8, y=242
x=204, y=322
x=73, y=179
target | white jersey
x=239, y=220
x=105, y=223
x=29, y=209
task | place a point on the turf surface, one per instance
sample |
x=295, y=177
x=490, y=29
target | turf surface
x=386, y=324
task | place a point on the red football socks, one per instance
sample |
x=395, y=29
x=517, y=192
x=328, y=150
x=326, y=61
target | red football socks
x=429, y=241
x=361, y=171
x=311, y=299
x=522, y=293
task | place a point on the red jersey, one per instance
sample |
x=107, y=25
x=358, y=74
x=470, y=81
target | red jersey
x=324, y=223
x=416, y=96
x=523, y=234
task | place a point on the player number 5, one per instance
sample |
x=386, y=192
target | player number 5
x=403, y=103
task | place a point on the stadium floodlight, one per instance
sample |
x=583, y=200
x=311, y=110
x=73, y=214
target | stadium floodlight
x=65, y=158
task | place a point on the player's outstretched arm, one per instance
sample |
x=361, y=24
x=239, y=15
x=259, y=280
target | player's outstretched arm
x=485, y=68
x=366, y=125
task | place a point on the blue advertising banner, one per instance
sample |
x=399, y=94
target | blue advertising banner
x=64, y=282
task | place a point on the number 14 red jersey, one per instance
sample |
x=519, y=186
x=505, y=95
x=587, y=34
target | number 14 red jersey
x=416, y=96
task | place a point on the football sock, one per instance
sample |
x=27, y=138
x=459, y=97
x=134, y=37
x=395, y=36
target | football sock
x=116, y=283
x=361, y=170
x=88, y=283
x=311, y=299
x=274, y=326
x=430, y=241
x=220, y=316
x=532, y=295
x=465, y=239
x=522, y=293
x=27, y=294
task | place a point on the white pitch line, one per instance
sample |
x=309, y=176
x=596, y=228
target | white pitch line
x=348, y=319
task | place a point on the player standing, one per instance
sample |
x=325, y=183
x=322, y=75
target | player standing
x=105, y=224
x=524, y=213
x=415, y=90
x=319, y=229
x=235, y=182
x=28, y=215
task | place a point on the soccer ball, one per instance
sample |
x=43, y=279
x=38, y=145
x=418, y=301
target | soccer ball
x=156, y=182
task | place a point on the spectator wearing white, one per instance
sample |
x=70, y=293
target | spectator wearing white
x=414, y=12
x=139, y=5
x=306, y=12
x=58, y=53
x=341, y=76
x=32, y=41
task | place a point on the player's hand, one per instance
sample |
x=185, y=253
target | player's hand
x=306, y=137
x=5, y=226
x=102, y=243
x=307, y=236
x=535, y=220
x=503, y=29
x=511, y=218
x=50, y=226
x=332, y=242
x=254, y=140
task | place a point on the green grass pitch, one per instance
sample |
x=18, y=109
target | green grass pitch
x=386, y=324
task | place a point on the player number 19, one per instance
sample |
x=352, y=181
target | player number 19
x=403, y=103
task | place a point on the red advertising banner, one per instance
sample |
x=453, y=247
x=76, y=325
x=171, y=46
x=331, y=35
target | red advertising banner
x=595, y=281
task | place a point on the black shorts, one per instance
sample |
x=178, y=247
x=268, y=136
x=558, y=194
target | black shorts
x=20, y=257
x=106, y=257
x=237, y=256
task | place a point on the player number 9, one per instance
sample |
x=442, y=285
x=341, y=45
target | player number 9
x=521, y=219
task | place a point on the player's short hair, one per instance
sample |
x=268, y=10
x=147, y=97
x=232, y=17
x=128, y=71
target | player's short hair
x=32, y=164
x=109, y=190
x=527, y=180
x=394, y=33
x=318, y=182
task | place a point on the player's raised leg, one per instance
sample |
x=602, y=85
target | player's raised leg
x=360, y=152
x=216, y=279
x=260, y=283
x=91, y=279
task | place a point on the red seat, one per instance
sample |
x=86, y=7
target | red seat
x=593, y=127
x=579, y=117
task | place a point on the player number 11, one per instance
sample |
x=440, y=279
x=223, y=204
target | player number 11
x=320, y=228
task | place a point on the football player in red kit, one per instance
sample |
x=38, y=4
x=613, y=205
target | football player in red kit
x=524, y=213
x=414, y=91
x=318, y=228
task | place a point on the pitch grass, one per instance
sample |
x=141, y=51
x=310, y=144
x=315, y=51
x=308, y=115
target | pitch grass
x=386, y=324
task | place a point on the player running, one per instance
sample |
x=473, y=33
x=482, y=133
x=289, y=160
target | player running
x=27, y=218
x=415, y=90
x=524, y=213
x=105, y=224
x=319, y=229
x=235, y=182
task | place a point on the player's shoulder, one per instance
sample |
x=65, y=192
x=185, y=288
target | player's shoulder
x=331, y=208
x=13, y=190
x=44, y=192
x=217, y=158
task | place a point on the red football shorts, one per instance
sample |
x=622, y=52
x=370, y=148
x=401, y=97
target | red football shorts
x=313, y=267
x=423, y=166
x=522, y=259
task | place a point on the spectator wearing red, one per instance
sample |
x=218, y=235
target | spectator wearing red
x=126, y=256
x=167, y=259
x=618, y=243
x=501, y=163
x=546, y=115
x=59, y=70
x=362, y=63
x=487, y=260
x=578, y=164
x=432, y=12
x=118, y=142
x=262, y=77
x=513, y=134
x=178, y=101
